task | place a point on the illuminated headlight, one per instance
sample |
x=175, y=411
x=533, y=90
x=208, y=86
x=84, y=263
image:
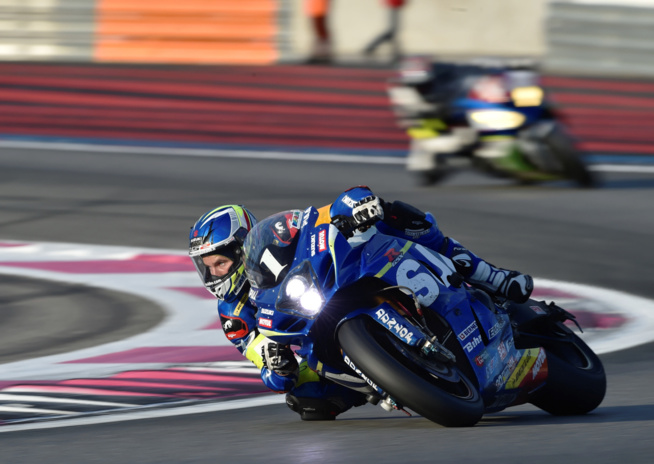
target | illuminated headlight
x=496, y=119
x=527, y=96
x=296, y=287
x=301, y=293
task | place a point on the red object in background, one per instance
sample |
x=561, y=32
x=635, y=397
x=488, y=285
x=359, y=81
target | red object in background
x=395, y=3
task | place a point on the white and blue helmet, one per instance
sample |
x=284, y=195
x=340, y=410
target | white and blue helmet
x=221, y=231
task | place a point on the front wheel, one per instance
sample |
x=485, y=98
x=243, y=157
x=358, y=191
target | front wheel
x=437, y=391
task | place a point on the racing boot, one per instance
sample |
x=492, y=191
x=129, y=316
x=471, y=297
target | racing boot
x=495, y=281
x=316, y=399
x=316, y=409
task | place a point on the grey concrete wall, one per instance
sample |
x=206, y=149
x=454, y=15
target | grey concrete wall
x=46, y=29
x=601, y=37
x=435, y=27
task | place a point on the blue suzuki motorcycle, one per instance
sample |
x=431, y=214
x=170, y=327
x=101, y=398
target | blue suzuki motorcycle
x=394, y=320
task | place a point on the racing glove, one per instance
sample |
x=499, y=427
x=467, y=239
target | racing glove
x=367, y=211
x=279, y=358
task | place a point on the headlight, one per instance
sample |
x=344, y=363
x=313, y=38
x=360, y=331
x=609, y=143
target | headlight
x=301, y=293
x=495, y=119
x=527, y=96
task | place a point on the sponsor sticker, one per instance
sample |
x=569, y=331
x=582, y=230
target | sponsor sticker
x=264, y=322
x=538, y=310
x=349, y=362
x=472, y=344
x=524, y=366
x=348, y=201
x=501, y=349
x=468, y=331
x=234, y=327
x=305, y=216
x=394, y=326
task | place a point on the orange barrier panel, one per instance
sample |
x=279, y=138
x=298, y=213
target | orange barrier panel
x=188, y=52
x=204, y=28
x=197, y=6
x=191, y=31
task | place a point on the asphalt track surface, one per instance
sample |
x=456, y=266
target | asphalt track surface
x=600, y=237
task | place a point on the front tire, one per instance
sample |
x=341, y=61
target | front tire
x=437, y=391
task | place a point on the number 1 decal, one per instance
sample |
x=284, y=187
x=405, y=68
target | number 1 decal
x=269, y=260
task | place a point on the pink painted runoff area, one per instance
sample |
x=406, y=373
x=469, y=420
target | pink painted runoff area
x=139, y=264
x=167, y=354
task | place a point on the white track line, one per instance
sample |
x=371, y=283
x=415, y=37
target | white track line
x=151, y=414
x=205, y=152
x=248, y=154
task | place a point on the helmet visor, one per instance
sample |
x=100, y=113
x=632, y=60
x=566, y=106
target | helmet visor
x=219, y=285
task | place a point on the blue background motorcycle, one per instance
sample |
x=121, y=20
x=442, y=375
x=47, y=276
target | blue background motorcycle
x=489, y=116
x=392, y=319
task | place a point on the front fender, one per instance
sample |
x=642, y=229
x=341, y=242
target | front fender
x=386, y=316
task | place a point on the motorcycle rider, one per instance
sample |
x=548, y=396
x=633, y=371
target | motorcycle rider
x=215, y=247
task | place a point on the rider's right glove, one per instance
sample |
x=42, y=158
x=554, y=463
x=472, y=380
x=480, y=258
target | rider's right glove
x=367, y=211
x=279, y=359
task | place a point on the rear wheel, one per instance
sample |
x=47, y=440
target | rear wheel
x=438, y=391
x=563, y=149
x=576, y=381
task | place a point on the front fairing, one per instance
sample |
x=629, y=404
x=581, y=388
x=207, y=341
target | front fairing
x=332, y=261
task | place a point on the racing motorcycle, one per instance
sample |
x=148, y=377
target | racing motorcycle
x=394, y=320
x=489, y=116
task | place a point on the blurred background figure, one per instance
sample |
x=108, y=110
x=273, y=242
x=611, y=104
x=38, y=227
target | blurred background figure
x=321, y=51
x=390, y=34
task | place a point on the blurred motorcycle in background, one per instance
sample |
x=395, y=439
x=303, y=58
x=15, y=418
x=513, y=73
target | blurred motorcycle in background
x=490, y=116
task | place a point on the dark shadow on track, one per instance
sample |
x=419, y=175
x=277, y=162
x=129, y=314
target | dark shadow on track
x=629, y=184
x=609, y=414
x=41, y=317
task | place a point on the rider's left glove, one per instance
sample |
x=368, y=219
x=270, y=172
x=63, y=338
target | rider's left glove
x=279, y=359
x=367, y=211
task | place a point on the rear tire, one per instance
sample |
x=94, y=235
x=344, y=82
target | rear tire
x=437, y=391
x=563, y=149
x=576, y=381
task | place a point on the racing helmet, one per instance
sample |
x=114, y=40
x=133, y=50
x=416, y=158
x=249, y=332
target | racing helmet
x=221, y=231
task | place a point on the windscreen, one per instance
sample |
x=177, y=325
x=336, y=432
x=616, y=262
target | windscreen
x=270, y=248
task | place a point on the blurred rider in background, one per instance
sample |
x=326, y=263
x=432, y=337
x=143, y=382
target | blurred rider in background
x=215, y=247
